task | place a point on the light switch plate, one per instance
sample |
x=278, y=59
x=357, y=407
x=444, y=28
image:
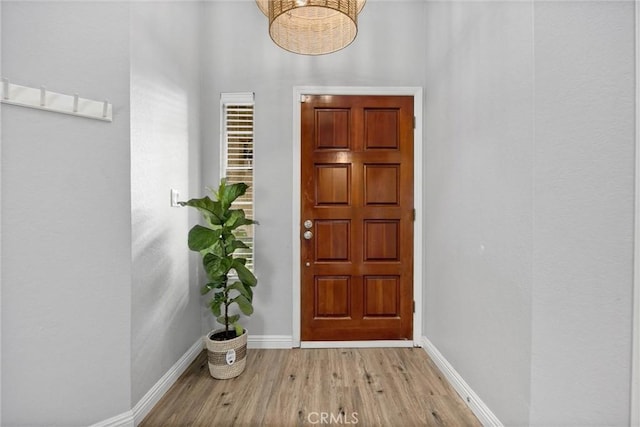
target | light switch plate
x=175, y=196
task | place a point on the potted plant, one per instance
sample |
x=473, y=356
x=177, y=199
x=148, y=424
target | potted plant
x=227, y=276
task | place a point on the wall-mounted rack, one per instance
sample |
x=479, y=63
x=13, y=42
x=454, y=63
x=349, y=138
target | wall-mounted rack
x=43, y=99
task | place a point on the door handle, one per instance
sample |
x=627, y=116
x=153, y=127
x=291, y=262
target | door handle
x=307, y=235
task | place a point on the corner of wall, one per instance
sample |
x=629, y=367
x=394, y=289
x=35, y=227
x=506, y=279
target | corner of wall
x=160, y=388
x=0, y=222
x=635, y=368
x=0, y=278
x=471, y=399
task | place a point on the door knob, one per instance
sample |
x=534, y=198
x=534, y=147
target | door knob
x=308, y=224
x=307, y=235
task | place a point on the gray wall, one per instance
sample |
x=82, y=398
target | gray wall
x=529, y=205
x=66, y=219
x=165, y=154
x=583, y=213
x=238, y=55
x=115, y=294
x=0, y=225
x=478, y=207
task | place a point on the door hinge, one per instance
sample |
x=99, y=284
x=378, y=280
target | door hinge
x=414, y=122
x=414, y=215
x=303, y=99
x=414, y=306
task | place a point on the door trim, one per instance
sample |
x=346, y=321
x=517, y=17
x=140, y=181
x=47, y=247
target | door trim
x=635, y=328
x=416, y=92
x=357, y=344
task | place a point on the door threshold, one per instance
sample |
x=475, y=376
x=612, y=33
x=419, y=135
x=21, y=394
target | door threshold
x=359, y=344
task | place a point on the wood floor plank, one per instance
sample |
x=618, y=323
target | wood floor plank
x=286, y=406
x=368, y=387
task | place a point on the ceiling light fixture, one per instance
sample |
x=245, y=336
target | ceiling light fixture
x=312, y=27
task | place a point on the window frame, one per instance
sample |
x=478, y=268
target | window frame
x=236, y=102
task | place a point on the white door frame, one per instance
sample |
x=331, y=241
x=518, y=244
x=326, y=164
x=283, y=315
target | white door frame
x=416, y=92
x=635, y=330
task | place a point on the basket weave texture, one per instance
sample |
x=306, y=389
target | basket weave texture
x=317, y=28
x=217, y=356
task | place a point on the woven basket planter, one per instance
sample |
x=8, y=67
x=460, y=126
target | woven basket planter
x=227, y=359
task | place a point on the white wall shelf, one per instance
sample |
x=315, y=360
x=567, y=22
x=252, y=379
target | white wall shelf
x=43, y=99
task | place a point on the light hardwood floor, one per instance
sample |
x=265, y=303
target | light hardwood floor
x=366, y=387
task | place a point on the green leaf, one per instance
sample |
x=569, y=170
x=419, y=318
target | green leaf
x=220, y=250
x=211, y=286
x=216, y=303
x=244, y=290
x=237, y=219
x=211, y=210
x=244, y=304
x=217, y=282
x=239, y=329
x=209, y=261
x=234, y=245
x=203, y=238
x=227, y=194
x=232, y=319
x=244, y=274
x=216, y=267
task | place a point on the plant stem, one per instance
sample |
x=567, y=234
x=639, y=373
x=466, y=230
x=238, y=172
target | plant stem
x=226, y=312
x=226, y=290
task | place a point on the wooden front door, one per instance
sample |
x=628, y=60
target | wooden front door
x=357, y=212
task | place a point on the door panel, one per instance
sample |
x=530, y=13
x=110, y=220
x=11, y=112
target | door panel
x=332, y=240
x=333, y=184
x=357, y=191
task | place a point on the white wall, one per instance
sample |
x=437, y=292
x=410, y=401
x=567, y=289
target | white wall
x=240, y=56
x=66, y=219
x=528, y=202
x=0, y=224
x=478, y=207
x=147, y=315
x=529, y=205
x=583, y=213
x=165, y=154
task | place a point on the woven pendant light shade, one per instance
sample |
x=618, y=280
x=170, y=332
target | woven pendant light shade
x=312, y=27
x=264, y=5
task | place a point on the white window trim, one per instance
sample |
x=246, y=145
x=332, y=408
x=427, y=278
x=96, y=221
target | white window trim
x=237, y=98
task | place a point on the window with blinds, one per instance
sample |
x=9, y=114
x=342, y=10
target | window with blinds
x=237, y=158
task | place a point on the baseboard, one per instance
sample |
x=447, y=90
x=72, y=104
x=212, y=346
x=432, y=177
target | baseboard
x=269, y=341
x=358, y=344
x=122, y=420
x=135, y=416
x=477, y=406
x=149, y=400
x=286, y=341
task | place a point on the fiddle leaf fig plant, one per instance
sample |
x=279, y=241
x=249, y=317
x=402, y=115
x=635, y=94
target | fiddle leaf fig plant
x=217, y=242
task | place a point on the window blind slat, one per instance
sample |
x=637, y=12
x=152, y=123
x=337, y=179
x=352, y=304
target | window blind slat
x=237, y=164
